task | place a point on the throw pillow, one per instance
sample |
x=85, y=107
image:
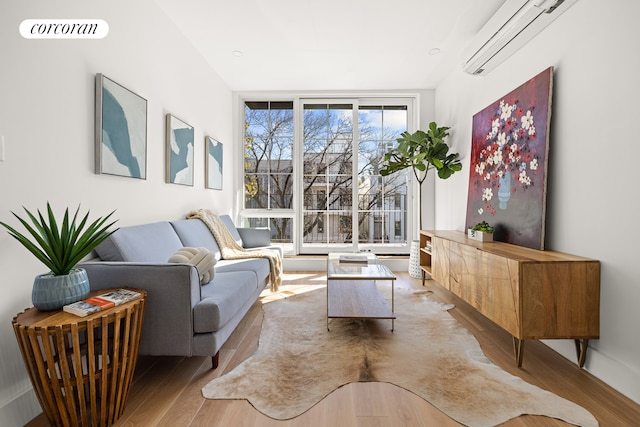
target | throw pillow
x=203, y=260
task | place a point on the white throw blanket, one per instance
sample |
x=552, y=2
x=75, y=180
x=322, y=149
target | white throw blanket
x=230, y=249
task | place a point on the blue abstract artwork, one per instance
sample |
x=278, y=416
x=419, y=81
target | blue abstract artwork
x=121, y=130
x=180, y=153
x=214, y=164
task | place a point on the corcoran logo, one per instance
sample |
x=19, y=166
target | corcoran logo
x=64, y=28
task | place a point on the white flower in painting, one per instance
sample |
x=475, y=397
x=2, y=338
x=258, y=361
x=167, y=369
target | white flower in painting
x=497, y=157
x=506, y=112
x=487, y=194
x=527, y=120
x=533, y=164
x=532, y=130
x=524, y=179
x=487, y=177
x=480, y=168
x=502, y=139
x=495, y=126
x=480, y=211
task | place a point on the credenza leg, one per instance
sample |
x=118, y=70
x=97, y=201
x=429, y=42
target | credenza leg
x=581, y=351
x=518, y=348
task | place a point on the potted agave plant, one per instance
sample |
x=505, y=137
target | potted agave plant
x=60, y=248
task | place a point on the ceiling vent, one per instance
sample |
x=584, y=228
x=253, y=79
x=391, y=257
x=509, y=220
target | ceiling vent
x=510, y=28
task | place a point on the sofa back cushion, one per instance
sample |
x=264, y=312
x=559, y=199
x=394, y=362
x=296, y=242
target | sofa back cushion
x=226, y=219
x=195, y=233
x=154, y=242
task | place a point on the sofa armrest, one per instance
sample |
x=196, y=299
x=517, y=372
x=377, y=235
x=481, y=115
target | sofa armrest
x=255, y=237
x=172, y=292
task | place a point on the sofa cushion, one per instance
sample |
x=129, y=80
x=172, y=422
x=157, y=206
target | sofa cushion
x=226, y=219
x=259, y=266
x=222, y=299
x=153, y=242
x=255, y=237
x=195, y=233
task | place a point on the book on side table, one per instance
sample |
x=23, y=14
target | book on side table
x=101, y=302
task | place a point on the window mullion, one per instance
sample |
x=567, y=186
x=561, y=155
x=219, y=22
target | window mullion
x=355, y=211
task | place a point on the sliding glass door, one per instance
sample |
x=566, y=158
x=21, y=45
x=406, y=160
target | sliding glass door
x=327, y=176
x=346, y=203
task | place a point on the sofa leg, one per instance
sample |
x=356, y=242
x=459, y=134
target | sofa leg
x=214, y=360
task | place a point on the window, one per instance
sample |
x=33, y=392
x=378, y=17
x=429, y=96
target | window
x=327, y=144
x=342, y=202
x=382, y=210
x=268, y=161
x=268, y=166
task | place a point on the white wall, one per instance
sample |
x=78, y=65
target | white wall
x=593, y=172
x=46, y=118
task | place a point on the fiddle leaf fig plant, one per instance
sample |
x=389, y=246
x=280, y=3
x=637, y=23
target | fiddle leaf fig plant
x=61, y=248
x=422, y=151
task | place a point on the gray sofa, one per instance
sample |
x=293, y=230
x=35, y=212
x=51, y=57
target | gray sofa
x=182, y=317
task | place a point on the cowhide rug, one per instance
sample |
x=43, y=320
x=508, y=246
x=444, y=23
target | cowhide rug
x=298, y=362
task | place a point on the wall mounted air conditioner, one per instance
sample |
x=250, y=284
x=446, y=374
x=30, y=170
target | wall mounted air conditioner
x=511, y=27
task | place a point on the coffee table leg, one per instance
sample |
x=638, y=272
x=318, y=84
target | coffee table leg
x=393, y=308
x=327, y=305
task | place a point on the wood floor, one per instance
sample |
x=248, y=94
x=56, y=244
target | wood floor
x=166, y=390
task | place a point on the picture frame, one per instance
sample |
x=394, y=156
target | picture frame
x=180, y=151
x=213, y=163
x=120, y=130
x=508, y=163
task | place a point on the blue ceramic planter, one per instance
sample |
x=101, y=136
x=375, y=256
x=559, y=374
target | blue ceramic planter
x=53, y=292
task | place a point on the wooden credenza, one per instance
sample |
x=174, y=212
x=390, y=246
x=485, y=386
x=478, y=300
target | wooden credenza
x=531, y=294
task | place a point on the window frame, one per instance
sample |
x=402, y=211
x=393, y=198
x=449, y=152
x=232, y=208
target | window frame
x=412, y=102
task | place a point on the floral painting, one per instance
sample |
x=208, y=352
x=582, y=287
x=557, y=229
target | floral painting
x=507, y=178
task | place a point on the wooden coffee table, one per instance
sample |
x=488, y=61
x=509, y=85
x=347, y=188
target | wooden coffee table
x=352, y=292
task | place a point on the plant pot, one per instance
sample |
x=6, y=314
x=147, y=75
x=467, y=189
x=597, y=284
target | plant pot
x=414, y=260
x=54, y=292
x=481, y=236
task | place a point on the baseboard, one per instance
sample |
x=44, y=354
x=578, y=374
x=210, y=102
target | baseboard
x=18, y=411
x=612, y=372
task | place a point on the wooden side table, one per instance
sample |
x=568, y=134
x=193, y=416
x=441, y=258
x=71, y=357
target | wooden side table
x=81, y=367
